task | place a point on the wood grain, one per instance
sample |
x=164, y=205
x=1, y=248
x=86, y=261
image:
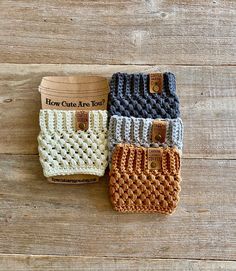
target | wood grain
x=46, y=219
x=74, y=227
x=207, y=96
x=118, y=32
x=49, y=263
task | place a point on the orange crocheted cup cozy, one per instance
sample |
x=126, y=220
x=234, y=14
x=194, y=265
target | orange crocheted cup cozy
x=134, y=187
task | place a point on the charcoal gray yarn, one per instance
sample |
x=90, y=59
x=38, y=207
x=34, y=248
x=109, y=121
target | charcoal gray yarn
x=129, y=96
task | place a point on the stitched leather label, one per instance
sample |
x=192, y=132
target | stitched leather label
x=82, y=120
x=154, y=158
x=155, y=82
x=159, y=131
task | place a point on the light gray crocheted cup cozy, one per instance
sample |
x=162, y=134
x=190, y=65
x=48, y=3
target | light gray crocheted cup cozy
x=137, y=131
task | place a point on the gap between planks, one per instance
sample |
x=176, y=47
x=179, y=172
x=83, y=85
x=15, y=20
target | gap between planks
x=183, y=158
x=112, y=257
x=50, y=262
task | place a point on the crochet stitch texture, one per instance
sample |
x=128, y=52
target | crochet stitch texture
x=138, y=131
x=65, y=151
x=129, y=96
x=135, y=188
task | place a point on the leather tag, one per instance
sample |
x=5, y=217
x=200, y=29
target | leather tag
x=159, y=131
x=154, y=158
x=155, y=82
x=82, y=120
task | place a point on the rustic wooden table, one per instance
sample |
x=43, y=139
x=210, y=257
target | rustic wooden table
x=57, y=227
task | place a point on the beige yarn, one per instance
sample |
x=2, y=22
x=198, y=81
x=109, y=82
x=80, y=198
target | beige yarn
x=64, y=151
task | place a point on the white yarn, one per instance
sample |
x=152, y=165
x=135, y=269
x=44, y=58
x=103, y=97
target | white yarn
x=65, y=151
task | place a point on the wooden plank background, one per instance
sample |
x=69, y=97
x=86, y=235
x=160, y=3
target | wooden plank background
x=118, y=32
x=57, y=227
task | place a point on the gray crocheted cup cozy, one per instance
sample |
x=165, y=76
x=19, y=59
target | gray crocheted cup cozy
x=138, y=131
x=130, y=96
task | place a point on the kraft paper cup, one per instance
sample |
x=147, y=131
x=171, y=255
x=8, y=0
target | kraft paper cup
x=74, y=93
x=50, y=99
x=75, y=84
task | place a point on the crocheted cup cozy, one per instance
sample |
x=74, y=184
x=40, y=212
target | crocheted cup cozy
x=130, y=96
x=64, y=151
x=138, y=131
x=134, y=187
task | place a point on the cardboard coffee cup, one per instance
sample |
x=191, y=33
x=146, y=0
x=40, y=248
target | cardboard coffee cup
x=74, y=179
x=67, y=101
x=75, y=84
x=74, y=93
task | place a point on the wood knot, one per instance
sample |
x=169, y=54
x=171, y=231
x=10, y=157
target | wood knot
x=8, y=100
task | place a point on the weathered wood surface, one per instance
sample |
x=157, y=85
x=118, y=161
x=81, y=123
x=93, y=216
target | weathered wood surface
x=118, y=32
x=44, y=219
x=207, y=96
x=48, y=263
x=74, y=227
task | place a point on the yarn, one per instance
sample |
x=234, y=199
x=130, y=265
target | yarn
x=133, y=187
x=129, y=96
x=138, y=131
x=65, y=151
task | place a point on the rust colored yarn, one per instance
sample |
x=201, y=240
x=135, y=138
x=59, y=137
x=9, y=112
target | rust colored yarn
x=135, y=188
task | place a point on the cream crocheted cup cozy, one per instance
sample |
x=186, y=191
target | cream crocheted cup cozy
x=65, y=151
